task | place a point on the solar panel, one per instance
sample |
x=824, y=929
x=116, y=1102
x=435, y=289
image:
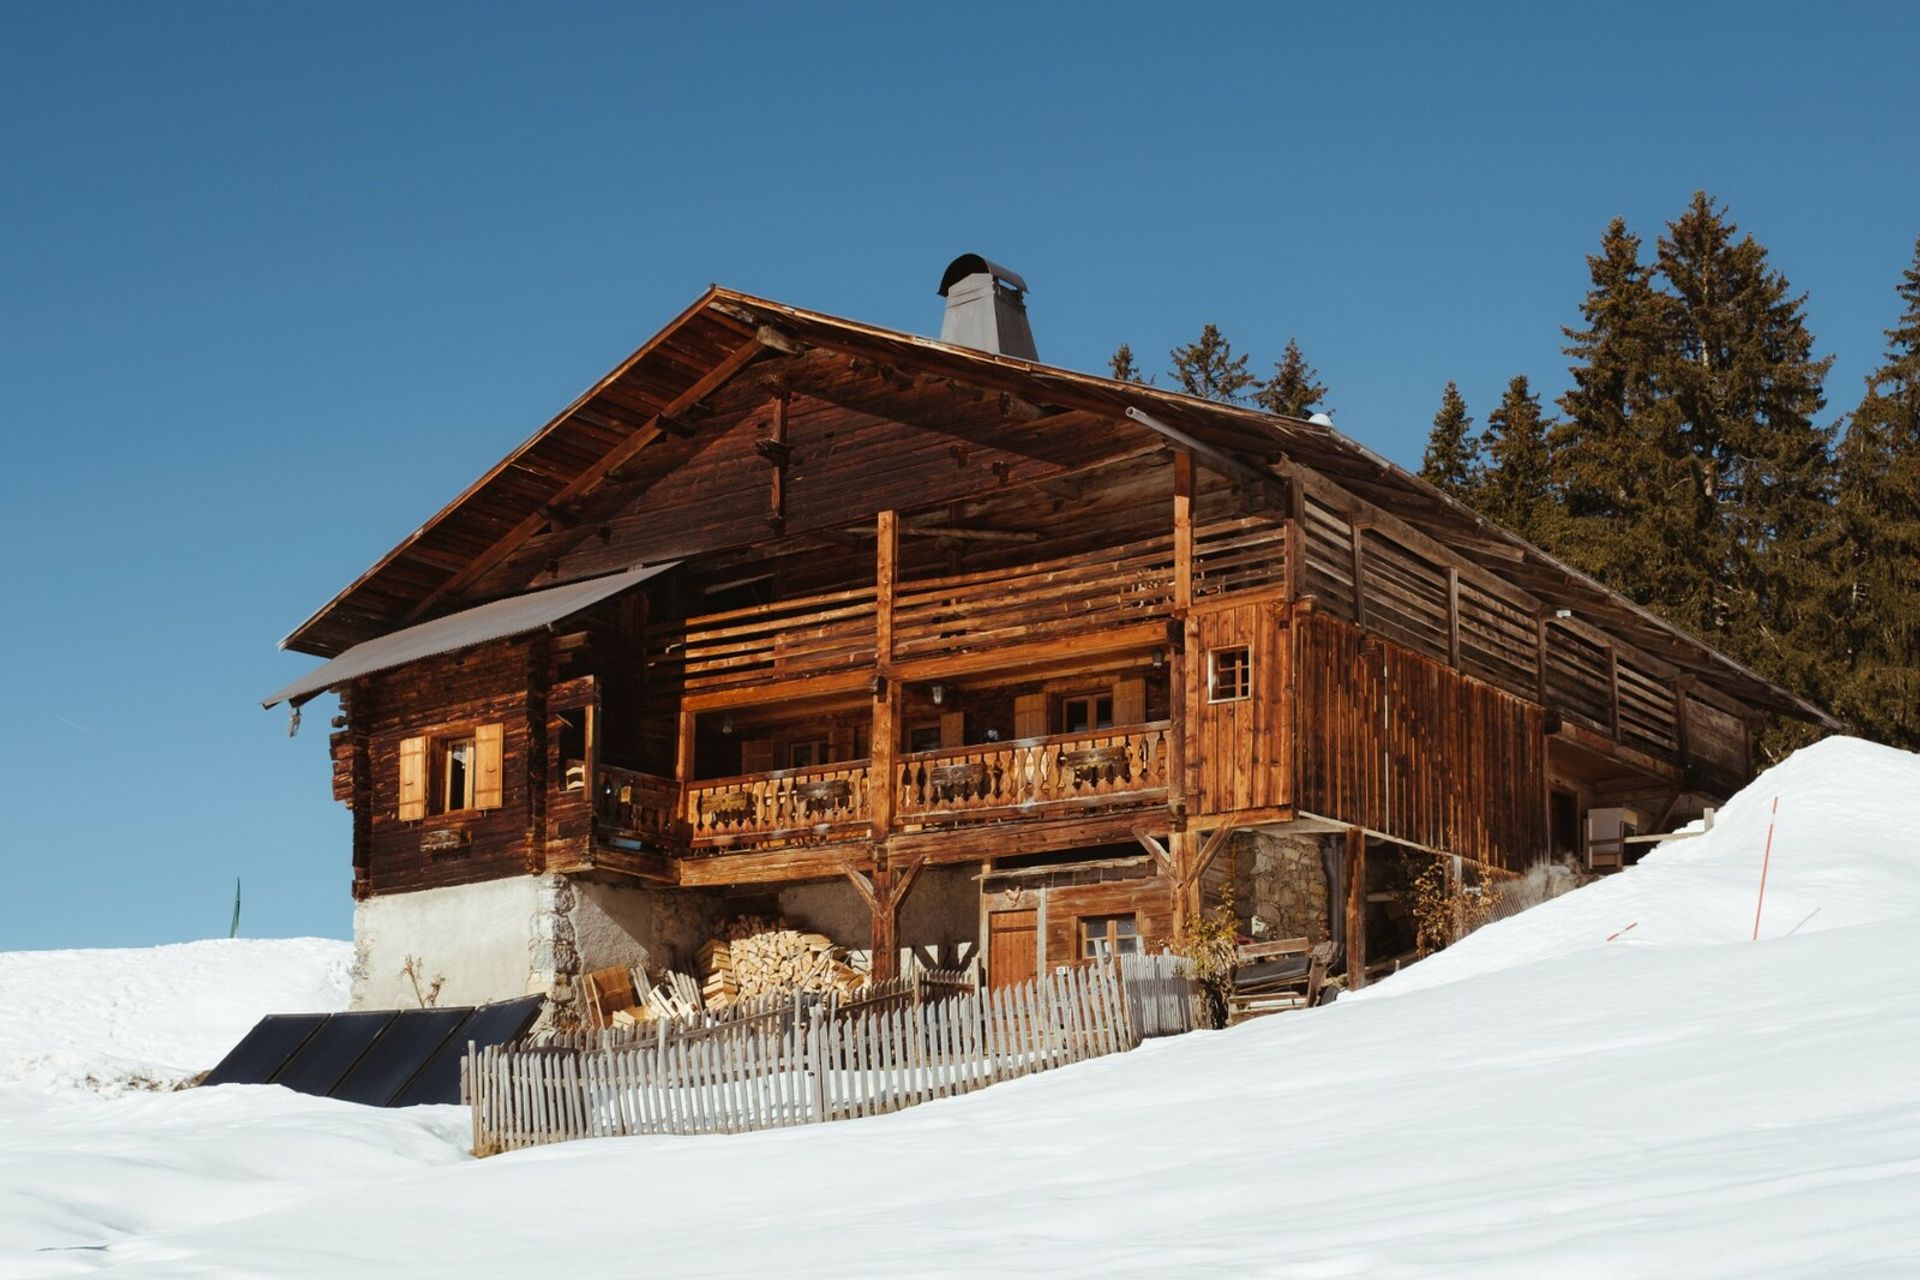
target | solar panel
x=319, y=1064
x=261, y=1051
x=402, y=1049
x=490, y=1024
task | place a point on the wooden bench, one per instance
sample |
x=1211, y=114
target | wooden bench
x=1261, y=990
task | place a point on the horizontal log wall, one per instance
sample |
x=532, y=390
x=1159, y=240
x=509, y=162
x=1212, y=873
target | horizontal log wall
x=444, y=697
x=1405, y=746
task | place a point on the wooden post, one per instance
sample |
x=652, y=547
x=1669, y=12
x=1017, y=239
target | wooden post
x=886, y=922
x=1540, y=659
x=776, y=451
x=357, y=702
x=884, y=731
x=1182, y=845
x=1680, y=686
x=1453, y=617
x=1359, y=572
x=1296, y=548
x=1182, y=533
x=1613, y=691
x=1356, y=908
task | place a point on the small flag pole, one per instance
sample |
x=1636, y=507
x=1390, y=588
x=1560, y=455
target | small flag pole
x=1766, y=860
x=233, y=931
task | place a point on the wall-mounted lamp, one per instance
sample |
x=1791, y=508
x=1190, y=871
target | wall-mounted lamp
x=726, y=723
x=1563, y=613
x=938, y=693
x=1159, y=659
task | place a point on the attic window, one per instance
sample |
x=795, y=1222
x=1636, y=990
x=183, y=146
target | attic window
x=1229, y=674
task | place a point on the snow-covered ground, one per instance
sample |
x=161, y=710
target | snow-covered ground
x=1535, y=1102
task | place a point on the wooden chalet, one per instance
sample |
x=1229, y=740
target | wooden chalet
x=950, y=654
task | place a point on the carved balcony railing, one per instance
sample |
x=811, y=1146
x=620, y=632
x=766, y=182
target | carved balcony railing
x=634, y=803
x=790, y=804
x=1001, y=780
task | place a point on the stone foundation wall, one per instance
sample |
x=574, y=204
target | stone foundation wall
x=1280, y=881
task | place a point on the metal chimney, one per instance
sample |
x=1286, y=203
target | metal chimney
x=986, y=308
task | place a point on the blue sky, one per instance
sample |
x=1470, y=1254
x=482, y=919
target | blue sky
x=276, y=282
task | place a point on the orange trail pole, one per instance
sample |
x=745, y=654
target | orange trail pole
x=1765, y=861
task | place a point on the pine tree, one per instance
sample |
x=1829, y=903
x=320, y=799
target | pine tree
x=1449, y=463
x=1293, y=389
x=1516, y=489
x=1739, y=368
x=1121, y=368
x=1207, y=367
x=1632, y=512
x=1877, y=609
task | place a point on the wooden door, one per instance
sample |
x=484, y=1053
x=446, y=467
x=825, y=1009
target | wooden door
x=1013, y=947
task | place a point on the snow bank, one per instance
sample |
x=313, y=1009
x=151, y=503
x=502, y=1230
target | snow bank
x=112, y=1019
x=1845, y=852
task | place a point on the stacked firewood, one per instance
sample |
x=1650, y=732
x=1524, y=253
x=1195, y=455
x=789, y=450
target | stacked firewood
x=753, y=957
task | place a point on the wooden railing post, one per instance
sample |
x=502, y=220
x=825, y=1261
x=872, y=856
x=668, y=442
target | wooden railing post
x=883, y=735
x=1182, y=533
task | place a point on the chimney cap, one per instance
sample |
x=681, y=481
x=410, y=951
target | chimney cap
x=972, y=264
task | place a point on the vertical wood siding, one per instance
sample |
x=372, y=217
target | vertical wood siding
x=1405, y=746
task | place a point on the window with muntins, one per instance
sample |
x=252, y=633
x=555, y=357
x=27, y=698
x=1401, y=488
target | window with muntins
x=1229, y=674
x=1104, y=936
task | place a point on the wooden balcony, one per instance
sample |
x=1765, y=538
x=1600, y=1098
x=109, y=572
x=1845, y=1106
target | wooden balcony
x=1034, y=778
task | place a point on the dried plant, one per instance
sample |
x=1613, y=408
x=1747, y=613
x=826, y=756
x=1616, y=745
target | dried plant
x=430, y=996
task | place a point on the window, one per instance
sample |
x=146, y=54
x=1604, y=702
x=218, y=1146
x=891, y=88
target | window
x=1229, y=674
x=452, y=774
x=456, y=774
x=805, y=755
x=923, y=737
x=1086, y=712
x=573, y=749
x=1103, y=936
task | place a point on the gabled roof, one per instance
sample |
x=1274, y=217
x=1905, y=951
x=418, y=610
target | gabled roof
x=725, y=331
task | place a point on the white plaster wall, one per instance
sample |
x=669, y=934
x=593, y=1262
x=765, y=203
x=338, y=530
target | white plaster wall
x=474, y=934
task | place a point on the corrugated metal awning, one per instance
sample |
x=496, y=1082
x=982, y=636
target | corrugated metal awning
x=513, y=616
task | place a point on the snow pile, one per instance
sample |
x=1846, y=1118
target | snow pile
x=1845, y=852
x=111, y=1020
x=1552, y=1105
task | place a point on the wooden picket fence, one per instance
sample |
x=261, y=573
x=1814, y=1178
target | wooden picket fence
x=813, y=1061
x=1162, y=997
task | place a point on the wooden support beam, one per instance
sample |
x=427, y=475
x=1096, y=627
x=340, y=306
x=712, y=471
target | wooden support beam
x=1296, y=549
x=1453, y=617
x=1613, y=691
x=1219, y=459
x=1182, y=533
x=1359, y=571
x=1153, y=846
x=1356, y=908
x=778, y=453
x=883, y=737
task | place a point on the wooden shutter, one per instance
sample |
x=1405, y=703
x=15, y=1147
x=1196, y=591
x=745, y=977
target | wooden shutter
x=756, y=755
x=488, y=758
x=1030, y=715
x=1130, y=702
x=413, y=779
x=953, y=728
